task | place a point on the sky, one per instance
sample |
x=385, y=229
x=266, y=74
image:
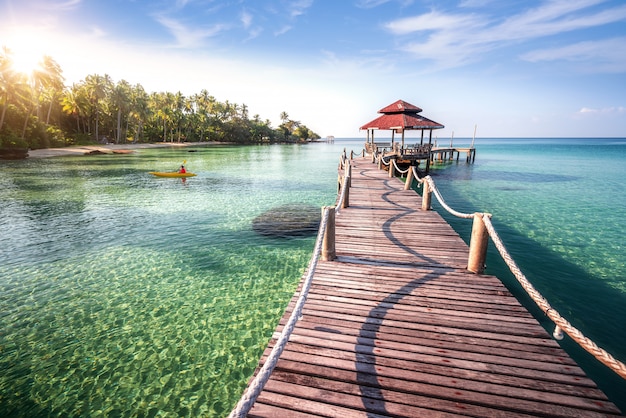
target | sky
x=500, y=68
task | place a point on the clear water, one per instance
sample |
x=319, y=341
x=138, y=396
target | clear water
x=560, y=207
x=122, y=294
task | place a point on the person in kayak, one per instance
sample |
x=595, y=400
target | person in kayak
x=182, y=169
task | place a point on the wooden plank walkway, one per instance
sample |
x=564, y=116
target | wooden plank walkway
x=396, y=326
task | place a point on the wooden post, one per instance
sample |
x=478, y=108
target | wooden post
x=426, y=196
x=409, y=179
x=328, y=243
x=346, y=193
x=380, y=161
x=348, y=174
x=478, y=245
x=392, y=170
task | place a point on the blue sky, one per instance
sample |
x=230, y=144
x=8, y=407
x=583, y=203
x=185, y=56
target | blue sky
x=518, y=68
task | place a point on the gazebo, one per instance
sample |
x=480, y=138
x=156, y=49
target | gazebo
x=399, y=117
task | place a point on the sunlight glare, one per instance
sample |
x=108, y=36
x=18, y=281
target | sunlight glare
x=26, y=51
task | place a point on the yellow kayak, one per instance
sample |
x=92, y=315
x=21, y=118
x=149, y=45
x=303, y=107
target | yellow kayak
x=171, y=174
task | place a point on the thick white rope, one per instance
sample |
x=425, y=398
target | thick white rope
x=434, y=189
x=253, y=390
x=398, y=169
x=561, y=323
x=339, y=204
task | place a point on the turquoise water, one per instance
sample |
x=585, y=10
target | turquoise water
x=560, y=207
x=122, y=294
x=126, y=294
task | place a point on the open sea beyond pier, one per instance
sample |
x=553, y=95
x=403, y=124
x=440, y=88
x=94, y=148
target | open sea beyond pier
x=122, y=294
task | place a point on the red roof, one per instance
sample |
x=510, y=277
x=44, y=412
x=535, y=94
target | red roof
x=400, y=107
x=401, y=115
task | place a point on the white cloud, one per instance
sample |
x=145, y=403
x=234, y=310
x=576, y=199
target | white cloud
x=369, y=4
x=475, y=3
x=299, y=7
x=187, y=37
x=605, y=111
x=556, y=17
x=455, y=39
x=430, y=21
x=603, y=56
x=62, y=6
x=283, y=30
x=246, y=19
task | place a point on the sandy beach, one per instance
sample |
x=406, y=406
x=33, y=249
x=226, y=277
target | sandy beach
x=108, y=149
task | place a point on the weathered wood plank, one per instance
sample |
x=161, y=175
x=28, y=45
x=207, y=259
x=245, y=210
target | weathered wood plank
x=396, y=326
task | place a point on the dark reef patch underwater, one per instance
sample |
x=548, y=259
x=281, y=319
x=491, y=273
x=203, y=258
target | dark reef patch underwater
x=290, y=220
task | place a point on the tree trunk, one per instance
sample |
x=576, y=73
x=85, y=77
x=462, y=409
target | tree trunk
x=30, y=112
x=49, y=112
x=4, y=111
x=119, y=126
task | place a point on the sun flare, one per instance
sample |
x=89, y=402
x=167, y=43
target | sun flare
x=26, y=52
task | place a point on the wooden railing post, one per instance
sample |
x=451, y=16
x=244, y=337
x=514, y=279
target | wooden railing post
x=348, y=174
x=426, y=196
x=478, y=245
x=392, y=169
x=409, y=179
x=345, y=193
x=380, y=161
x=328, y=243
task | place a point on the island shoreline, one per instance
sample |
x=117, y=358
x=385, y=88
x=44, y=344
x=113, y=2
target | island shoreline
x=80, y=150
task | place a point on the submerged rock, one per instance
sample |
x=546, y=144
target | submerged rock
x=291, y=220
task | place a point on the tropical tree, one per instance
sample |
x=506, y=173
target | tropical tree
x=74, y=103
x=13, y=85
x=97, y=105
x=48, y=82
x=120, y=102
x=96, y=86
x=139, y=110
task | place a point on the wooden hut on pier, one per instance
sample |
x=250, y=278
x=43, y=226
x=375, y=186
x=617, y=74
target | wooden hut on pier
x=399, y=117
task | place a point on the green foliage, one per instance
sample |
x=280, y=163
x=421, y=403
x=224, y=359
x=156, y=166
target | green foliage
x=56, y=137
x=42, y=113
x=10, y=139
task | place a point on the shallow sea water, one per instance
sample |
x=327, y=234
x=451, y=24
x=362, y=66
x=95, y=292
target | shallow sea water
x=122, y=294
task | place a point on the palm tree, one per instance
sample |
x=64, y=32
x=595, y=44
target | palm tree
x=71, y=104
x=120, y=101
x=12, y=83
x=48, y=80
x=96, y=86
x=139, y=109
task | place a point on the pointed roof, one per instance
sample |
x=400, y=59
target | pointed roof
x=401, y=115
x=400, y=106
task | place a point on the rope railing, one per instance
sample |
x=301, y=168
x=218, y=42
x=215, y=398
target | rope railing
x=340, y=199
x=253, y=390
x=442, y=202
x=398, y=168
x=382, y=159
x=561, y=324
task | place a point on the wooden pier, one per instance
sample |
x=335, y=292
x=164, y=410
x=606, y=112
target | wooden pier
x=396, y=326
x=449, y=153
